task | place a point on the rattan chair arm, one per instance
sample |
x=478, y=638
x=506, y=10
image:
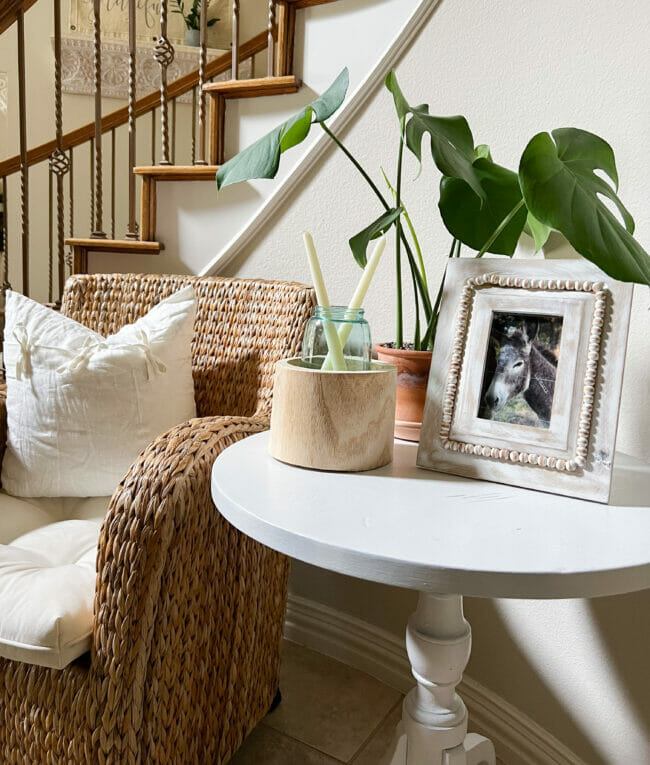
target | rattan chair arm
x=157, y=526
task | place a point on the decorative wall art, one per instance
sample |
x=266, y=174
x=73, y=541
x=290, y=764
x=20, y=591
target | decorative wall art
x=115, y=22
x=78, y=75
x=526, y=377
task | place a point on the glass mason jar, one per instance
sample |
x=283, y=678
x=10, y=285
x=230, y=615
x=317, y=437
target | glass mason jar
x=353, y=335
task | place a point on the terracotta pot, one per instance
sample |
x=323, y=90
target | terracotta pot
x=412, y=377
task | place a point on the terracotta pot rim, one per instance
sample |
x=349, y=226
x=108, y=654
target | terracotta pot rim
x=403, y=352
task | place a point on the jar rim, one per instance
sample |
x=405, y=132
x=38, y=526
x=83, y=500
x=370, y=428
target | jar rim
x=339, y=313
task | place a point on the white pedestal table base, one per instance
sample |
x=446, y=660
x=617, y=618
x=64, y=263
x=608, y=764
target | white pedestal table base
x=433, y=730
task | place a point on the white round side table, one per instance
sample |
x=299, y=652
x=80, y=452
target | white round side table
x=446, y=537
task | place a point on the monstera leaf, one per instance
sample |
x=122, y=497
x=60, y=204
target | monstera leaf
x=561, y=190
x=474, y=222
x=359, y=243
x=452, y=144
x=262, y=159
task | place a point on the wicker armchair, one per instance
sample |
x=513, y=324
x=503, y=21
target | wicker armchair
x=188, y=612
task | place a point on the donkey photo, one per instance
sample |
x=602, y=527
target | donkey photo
x=520, y=367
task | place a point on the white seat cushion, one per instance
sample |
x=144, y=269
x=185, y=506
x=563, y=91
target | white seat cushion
x=47, y=577
x=81, y=407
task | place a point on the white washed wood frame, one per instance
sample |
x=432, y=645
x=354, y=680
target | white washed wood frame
x=574, y=455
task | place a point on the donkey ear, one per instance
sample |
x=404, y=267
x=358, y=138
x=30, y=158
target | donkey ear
x=531, y=327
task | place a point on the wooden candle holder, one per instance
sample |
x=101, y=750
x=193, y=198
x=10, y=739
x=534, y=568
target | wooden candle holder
x=329, y=420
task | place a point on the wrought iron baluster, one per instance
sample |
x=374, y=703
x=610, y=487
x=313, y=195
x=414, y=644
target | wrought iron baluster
x=4, y=232
x=270, y=50
x=153, y=136
x=235, y=40
x=113, y=183
x=59, y=162
x=24, y=170
x=164, y=55
x=68, y=257
x=173, y=138
x=50, y=245
x=132, y=232
x=92, y=183
x=193, y=126
x=98, y=233
x=203, y=51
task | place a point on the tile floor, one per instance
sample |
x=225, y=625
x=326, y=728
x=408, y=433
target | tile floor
x=330, y=714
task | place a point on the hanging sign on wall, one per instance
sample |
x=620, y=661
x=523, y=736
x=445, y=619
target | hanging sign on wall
x=115, y=20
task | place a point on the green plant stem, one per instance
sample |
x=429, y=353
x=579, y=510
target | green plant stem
x=411, y=228
x=354, y=161
x=398, y=243
x=499, y=228
x=426, y=300
x=430, y=334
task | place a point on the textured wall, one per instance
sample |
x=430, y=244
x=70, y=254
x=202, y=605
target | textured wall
x=513, y=68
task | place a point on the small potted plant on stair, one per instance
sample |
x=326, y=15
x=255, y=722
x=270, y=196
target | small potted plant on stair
x=483, y=205
x=192, y=21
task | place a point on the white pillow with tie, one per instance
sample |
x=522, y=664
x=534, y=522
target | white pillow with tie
x=81, y=407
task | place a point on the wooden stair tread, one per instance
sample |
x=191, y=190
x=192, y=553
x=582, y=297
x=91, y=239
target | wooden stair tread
x=133, y=246
x=259, y=86
x=178, y=172
x=298, y=4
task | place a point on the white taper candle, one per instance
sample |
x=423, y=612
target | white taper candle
x=359, y=294
x=331, y=335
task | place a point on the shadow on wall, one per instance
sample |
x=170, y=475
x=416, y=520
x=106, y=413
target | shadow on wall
x=497, y=661
x=615, y=618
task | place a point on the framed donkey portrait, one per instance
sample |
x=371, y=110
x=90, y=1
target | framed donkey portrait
x=526, y=376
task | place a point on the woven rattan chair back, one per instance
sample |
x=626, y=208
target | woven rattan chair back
x=242, y=328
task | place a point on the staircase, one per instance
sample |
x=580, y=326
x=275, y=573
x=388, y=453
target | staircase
x=211, y=86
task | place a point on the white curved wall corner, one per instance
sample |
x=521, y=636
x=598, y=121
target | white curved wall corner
x=366, y=37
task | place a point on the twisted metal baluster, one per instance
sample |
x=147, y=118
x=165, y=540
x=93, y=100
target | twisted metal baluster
x=92, y=183
x=98, y=233
x=59, y=162
x=203, y=48
x=50, y=244
x=113, y=183
x=163, y=53
x=24, y=171
x=270, y=66
x=173, y=138
x=153, y=136
x=5, y=234
x=193, y=126
x=68, y=257
x=235, y=40
x=132, y=231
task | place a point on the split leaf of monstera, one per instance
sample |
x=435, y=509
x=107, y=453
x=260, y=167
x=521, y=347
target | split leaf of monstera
x=452, y=144
x=262, y=158
x=562, y=191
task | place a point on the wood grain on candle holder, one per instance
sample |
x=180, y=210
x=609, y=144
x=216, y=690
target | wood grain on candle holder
x=340, y=421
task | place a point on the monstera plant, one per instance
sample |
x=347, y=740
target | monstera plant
x=483, y=205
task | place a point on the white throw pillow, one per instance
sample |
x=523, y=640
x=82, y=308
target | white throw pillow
x=81, y=407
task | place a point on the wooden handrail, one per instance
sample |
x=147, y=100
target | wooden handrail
x=143, y=105
x=9, y=10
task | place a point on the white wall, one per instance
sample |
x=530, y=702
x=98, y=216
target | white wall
x=513, y=68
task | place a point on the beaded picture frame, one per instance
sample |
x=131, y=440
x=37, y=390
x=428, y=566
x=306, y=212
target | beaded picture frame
x=526, y=375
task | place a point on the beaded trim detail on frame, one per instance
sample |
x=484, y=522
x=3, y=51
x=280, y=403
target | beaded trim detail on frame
x=579, y=460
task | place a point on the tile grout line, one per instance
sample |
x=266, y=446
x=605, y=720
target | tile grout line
x=304, y=744
x=376, y=730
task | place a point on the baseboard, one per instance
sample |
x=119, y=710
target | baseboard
x=518, y=740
